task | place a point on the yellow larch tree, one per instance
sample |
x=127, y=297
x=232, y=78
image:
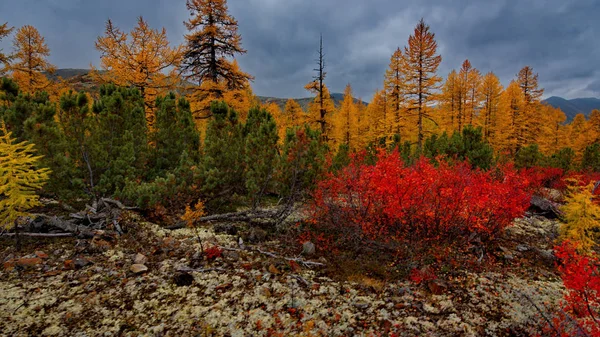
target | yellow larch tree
x=346, y=121
x=594, y=125
x=578, y=135
x=582, y=215
x=362, y=124
x=394, y=89
x=491, y=90
x=378, y=117
x=29, y=60
x=211, y=42
x=5, y=30
x=512, y=118
x=421, y=81
x=294, y=115
x=528, y=82
x=468, y=94
x=142, y=59
x=552, y=135
x=449, y=103
x=20, y=180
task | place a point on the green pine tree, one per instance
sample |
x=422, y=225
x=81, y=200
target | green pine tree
x=260, y=153
x=223, y=157
x=175, y=133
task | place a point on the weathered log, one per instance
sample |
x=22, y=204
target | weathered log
x=243, y=216
x=43, y=223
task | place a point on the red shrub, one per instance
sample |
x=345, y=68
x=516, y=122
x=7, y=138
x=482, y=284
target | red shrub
x=213, y=252
x=545, y=177
x=581, y=277
x=389, y=200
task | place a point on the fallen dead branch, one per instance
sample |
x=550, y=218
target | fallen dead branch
x=41, y=235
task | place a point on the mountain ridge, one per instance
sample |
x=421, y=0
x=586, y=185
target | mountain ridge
x=572, y=107
x=81, y=80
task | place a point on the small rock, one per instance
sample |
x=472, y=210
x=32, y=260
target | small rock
x=140, y=259
x=183, y=279
x=41, y=254
x=308, y=248
x=522, y=248
x=226, y=228
x=361, y=304
x=509, y=256
x=274, y=270
x=138, y=268
x=81, y=262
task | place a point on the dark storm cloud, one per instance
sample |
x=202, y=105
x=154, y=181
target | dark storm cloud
x=557, y=38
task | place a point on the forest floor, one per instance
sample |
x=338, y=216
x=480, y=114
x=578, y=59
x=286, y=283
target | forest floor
x=155, y=282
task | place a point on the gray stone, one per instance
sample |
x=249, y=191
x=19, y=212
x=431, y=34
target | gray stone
x=138, y=268
x=140, y=259
x=308, y=248
x=361, y=304
x=81, y=262
x=522, y=248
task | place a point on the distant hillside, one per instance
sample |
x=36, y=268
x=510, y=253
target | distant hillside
x=80, y=79
x=572, y=107
x=337, y=100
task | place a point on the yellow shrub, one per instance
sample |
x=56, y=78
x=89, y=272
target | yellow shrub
x=19, y=178
x=582, y=216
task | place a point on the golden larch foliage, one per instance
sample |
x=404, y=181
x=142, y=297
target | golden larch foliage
x=5, y=30
x=19, y=178
x=378, y=116
x=552, y=135
x=142, y=59
x=345, y=121
x=28, y=60
x=421, y=82
x=582, y=215
x=594, y=126
x=294, y=114
x=448, y=117
x=279, y=117
x=579, y=136
x=532, y=94
x=512, y=118
x=491, y=91
x=394, y=89
x=470, y=82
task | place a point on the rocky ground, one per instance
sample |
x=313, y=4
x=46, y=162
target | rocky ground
x=156, y=282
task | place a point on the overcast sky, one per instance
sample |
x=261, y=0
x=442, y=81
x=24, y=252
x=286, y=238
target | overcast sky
x=560, y=39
